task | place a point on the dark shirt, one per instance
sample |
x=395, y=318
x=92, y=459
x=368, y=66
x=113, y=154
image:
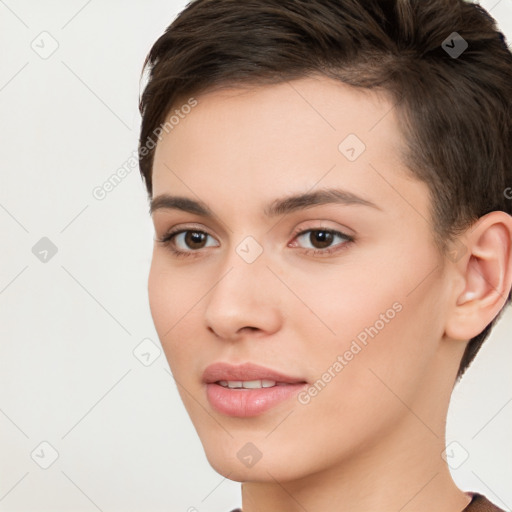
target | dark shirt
x=478, y=503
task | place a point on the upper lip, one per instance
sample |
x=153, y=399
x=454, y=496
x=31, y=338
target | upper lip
x=245, y=372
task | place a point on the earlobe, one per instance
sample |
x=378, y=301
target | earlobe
x=487, y=272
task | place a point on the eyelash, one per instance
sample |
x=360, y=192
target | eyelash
x=168, y=241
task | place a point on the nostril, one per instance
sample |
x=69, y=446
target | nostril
x=250, y=328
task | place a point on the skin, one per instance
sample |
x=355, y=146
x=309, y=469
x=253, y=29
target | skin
x=373, y=437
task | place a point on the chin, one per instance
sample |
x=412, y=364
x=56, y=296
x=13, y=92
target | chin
x=230, y=467
x=233, y=461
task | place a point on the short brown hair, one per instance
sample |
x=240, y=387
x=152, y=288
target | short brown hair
x=455, y=111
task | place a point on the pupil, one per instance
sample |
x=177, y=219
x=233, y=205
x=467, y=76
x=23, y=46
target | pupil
x=321, y=239
x=194, y=237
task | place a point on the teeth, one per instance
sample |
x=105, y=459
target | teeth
x=249, y=384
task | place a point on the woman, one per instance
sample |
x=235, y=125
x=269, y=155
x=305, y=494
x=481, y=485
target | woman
x=323, y=271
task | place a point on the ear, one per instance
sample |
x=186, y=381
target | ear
x=486, y=272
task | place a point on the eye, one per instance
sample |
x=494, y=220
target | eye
x=322, y=240
x=319, y=241
x=183, y=242
x=192, y=240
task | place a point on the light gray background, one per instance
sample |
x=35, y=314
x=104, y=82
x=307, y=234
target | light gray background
x=69, y=326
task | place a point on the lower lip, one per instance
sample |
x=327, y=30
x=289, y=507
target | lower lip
x=249, y=402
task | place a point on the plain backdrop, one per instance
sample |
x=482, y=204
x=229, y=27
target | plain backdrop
x=90, y=417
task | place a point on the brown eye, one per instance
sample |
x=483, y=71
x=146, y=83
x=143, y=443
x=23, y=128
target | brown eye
x=195, y=239
x=187, y=241
x=321, y=239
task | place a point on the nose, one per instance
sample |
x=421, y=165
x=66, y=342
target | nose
x=244, y=300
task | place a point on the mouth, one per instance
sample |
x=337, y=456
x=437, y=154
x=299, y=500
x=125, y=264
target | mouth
x=247, y=376
x=252, y=384
x=248, y=390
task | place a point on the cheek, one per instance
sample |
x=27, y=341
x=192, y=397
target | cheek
x=383, y=316
x=340, y=304
x=176, y=300
x=162, y=300
x=172, y=297
x=359, y=373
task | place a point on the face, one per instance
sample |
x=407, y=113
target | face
x=342, y=291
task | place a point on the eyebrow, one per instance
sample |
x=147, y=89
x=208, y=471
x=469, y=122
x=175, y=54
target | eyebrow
x=275, y=208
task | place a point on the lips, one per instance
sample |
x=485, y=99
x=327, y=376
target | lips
x=239, y=402
x=246, y=372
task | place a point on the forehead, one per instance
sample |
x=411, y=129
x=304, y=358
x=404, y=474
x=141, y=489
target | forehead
x=260, y=139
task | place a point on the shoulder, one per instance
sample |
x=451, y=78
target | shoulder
x=480, y=503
